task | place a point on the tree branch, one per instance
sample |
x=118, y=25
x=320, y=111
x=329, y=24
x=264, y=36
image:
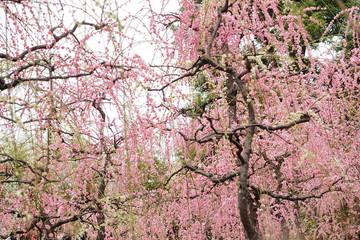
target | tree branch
x=48, y=46
x=15, y=1
x=25, y=165
x=296, y=198
x=217, y=27
x=45, y=79
x=303, y=118
x=197, y=65
x=200, y=171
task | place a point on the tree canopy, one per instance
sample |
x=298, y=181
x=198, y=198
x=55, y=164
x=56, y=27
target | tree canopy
x=208, y=120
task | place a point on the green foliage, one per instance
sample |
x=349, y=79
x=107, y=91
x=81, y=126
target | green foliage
x=202, y=94
x=151, y=174
x=201, y=82
x=325, y=16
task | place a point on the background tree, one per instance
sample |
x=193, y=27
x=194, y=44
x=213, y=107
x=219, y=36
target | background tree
x=319, y=14
x=76, y=154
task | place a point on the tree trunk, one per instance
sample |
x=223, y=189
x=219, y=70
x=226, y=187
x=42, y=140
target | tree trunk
x=101, y=216
x=231, y=92
x=246, y=207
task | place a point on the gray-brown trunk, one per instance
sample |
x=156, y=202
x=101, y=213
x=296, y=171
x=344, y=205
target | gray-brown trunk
x=246, y=207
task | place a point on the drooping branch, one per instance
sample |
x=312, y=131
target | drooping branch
x=22, y=55
x=57, y=38
x=220, y=11
x=41, y=46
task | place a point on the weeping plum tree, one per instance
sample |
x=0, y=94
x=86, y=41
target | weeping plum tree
x=268, y=127
x=236, y=129
x=71, y=140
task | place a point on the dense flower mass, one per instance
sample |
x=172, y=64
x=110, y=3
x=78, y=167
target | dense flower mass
x=206, y=120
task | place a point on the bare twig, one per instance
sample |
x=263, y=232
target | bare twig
x=197, y=65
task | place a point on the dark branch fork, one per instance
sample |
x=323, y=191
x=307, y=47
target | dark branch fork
x=197, y=65
x=36, y=171
x=45, y=219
